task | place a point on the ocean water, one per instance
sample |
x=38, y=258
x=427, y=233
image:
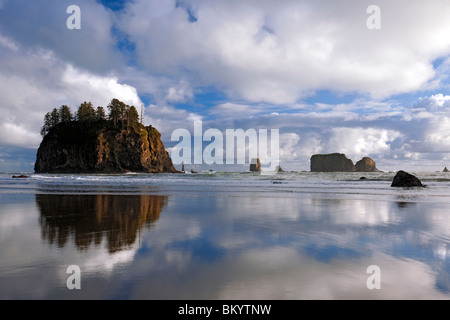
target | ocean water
x=216, y=235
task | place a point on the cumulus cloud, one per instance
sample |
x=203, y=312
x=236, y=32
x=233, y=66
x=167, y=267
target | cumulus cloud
x=358, y=142
x=279, y=52
x=36, y=82
x=41, y=25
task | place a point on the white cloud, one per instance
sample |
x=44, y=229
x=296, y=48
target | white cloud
x=99, y=89
x=36, y=82
x=360, y=142
x=278, y=52
x=8, y=43
x=17, y=135
x=41, y=25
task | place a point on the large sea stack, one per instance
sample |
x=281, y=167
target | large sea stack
x=75, y=147
x=334, y=162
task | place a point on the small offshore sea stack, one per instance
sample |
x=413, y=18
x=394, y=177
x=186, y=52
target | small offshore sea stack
x=404, y=179
x=255, y=165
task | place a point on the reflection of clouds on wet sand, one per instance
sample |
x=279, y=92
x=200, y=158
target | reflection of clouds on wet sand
x=254, y=254
x=227, y=247
x=298, y=277
x=284, y=273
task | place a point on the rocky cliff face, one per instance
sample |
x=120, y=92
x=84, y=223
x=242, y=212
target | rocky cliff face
x=77, y=148
x=338, y=162
x=366, y=164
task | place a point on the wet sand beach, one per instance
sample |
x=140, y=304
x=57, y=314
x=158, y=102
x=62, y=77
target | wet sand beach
x=205, y=239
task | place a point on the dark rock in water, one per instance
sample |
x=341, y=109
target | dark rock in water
x=445, y=170
x=279, y=169
x=334, y=162
x=20, y=177
x=366, y=164
x=255, y=165
x=192, y=171
x=363, y=178
x=75, y=147
x=404, y=179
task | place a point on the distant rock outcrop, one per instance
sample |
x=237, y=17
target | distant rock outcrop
x=445, y=170
x=331, y=163
x=255, y=165
x=338, y=162
x=279, y=169
x=404, y=179
x=75, y=147
x=366, y=164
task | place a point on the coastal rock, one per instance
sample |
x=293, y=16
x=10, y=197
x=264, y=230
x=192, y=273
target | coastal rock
x=20, y=177
x=445, y=170
x=334, y=162
x=279, y=169
x=75, y=148
x=366, y=164
x=404, y=179
x=255, y=165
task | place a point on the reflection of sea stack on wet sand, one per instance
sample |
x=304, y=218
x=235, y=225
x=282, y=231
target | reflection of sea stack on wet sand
x=255, y=165
x=90, y=219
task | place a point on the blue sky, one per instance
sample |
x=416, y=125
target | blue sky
x=311, y=69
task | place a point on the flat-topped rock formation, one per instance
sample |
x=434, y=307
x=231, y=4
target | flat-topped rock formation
x=333, y=162
x=338, y=162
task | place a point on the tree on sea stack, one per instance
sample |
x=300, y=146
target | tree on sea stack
x=86, y=112
x=54, y=117
x=65, y=114
x=100, y=114
x=132, y=116
x=47, y=124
